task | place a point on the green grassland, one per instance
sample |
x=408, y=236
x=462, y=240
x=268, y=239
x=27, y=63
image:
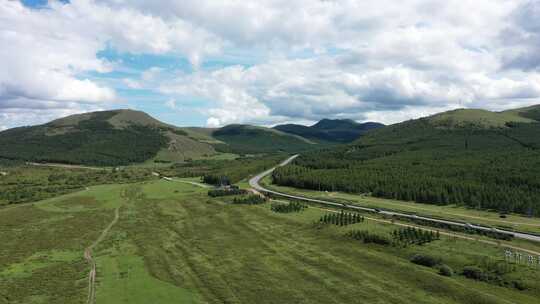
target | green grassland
x=234, y=168
x=23, y=183
x=41, y=254
x=174, y=244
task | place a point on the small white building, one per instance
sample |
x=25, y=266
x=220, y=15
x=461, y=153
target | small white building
x=2, y=173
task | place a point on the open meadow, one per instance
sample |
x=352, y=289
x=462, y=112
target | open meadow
x=173, y=243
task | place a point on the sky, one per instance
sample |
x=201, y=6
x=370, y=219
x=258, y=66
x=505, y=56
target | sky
x=266, y=62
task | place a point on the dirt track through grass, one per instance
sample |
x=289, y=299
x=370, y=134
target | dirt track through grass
x=88, y=256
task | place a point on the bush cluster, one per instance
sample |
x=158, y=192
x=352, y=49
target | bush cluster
x=411, y=235
x=368, y=237
x=216, y=179
x=288, y=208
x=342, y=218
x=226, y=192
x=252, y=199
x=446, y=270
x=425, y=260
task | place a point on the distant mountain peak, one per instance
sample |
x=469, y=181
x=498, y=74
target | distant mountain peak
x=327, y=123
x=331, y=130
x=118, y=118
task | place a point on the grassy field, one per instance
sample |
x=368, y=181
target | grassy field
x=41, y=254
x=25, y=183
x=174, y=244
x=460, y=213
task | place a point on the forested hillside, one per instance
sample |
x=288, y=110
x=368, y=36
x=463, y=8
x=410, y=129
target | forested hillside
x=244, y=139
x=475, y=158
x=92, y=141
x=106, y=138
x=331, y=130
x=122, y=137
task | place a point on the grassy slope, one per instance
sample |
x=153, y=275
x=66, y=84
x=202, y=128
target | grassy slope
x=173, y=244
x=244, y=139
x=477, y=117
x=532, y=112
x=182, y=148
x=184, y=143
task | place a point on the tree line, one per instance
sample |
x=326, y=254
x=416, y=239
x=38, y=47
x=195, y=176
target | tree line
x=497, y=183
x=414, y=236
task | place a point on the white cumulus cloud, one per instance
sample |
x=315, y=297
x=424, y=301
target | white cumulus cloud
x=307, y=59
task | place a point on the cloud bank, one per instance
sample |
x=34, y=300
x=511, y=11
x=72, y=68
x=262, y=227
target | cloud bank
x=299, y=60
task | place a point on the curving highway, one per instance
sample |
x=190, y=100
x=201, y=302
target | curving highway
x=254, y=183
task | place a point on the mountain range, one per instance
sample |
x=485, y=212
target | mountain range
x=330, y=130
x=122, y=137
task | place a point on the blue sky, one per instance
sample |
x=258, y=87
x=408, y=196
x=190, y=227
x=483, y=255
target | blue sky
x=133, y=66
x=212, y=63
x=38, y=3
x=148, y=99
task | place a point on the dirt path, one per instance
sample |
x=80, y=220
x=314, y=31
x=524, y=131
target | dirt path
x=88, y=257
x=66, y=166
x=192, y=183
x=443, y=233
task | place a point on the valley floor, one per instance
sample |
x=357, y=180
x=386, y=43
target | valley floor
x=174, y=244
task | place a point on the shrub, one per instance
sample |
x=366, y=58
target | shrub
x=445, y=270
x=218, y=180
x=225, y=192
x=425, y=260
x=474, y=272
x=411, y=235
x=519, y=285
x=342, y=218
x=367, y=237
x=288, y=208
x=252, y=199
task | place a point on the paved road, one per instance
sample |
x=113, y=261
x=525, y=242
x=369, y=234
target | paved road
x=254, y=183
